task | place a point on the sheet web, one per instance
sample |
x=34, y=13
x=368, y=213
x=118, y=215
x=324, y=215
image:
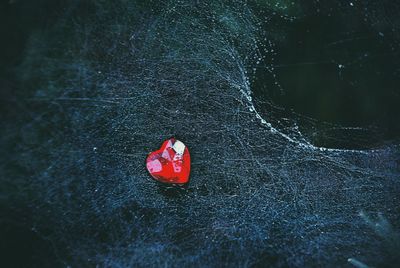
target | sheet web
x=110, y=81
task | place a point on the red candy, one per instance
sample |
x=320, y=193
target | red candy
x=171, y=163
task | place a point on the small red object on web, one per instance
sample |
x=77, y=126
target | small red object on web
x=171, y=163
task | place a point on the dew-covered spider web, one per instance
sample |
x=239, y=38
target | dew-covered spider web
x=107, y=81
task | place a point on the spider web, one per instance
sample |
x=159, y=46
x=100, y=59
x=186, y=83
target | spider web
x=108, y=82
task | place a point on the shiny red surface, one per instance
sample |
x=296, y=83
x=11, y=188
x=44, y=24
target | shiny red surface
x=167, y=165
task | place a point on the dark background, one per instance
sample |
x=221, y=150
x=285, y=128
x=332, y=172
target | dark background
x=332, y=66
x=338, y=65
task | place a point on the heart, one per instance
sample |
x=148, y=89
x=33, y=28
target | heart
x=171, y=163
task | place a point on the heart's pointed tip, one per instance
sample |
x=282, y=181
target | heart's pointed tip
x=170, y=164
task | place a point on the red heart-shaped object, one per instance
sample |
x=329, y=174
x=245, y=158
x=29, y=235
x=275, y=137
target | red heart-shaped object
x=171, y=163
